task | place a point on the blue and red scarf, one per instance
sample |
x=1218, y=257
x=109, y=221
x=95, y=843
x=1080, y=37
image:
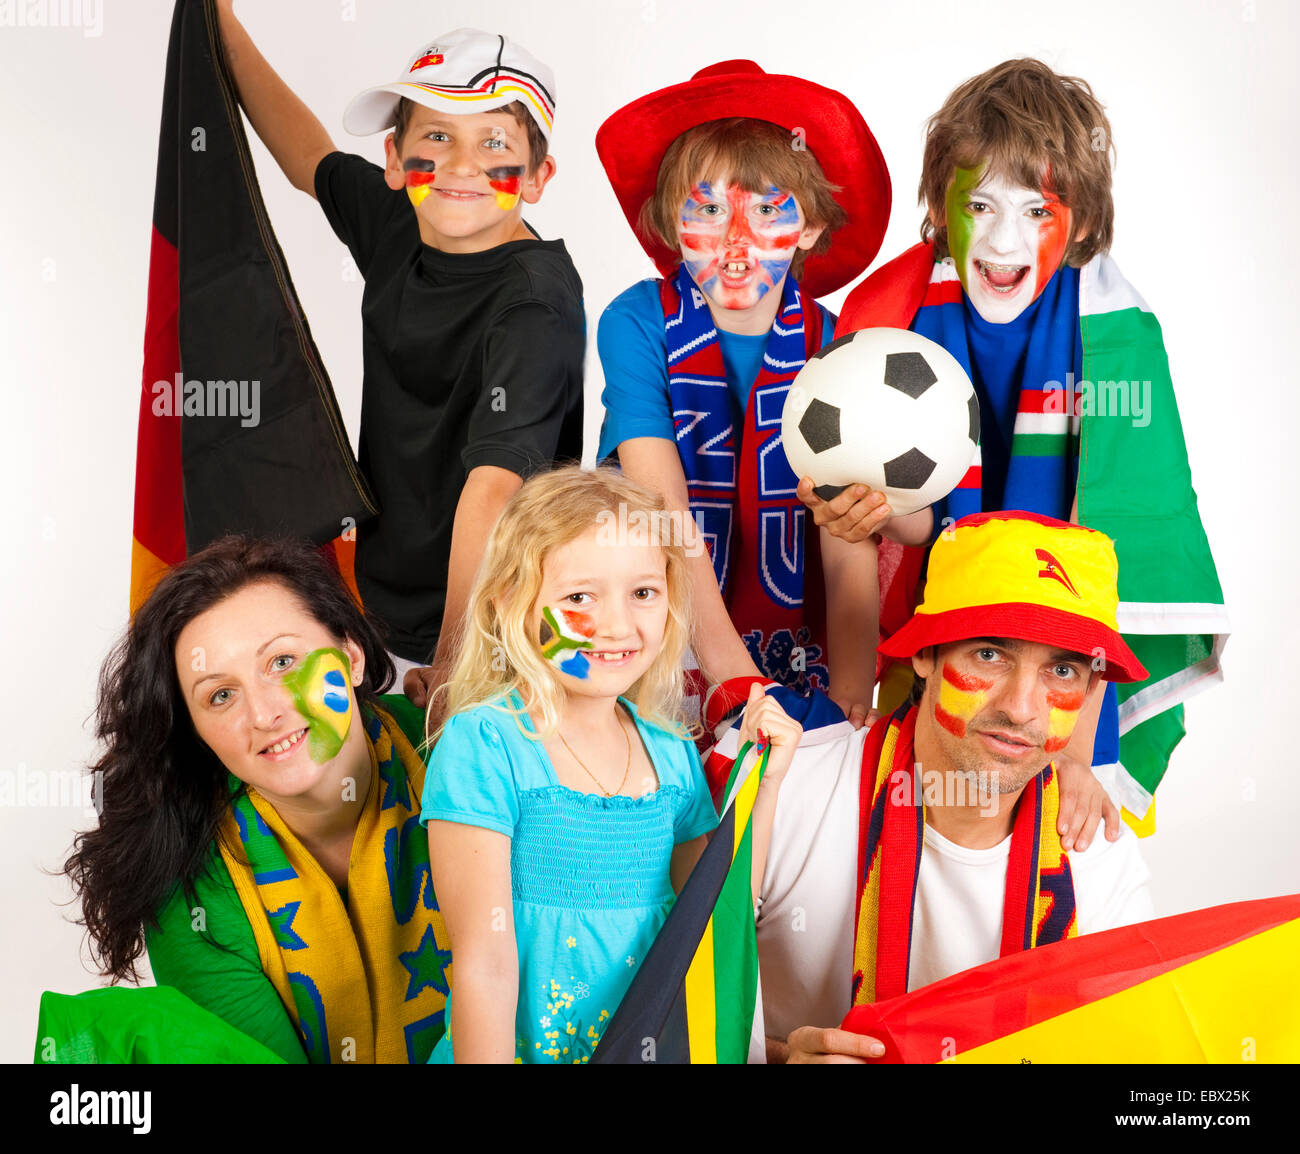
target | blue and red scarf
x=1045, y=443
x=742, y=489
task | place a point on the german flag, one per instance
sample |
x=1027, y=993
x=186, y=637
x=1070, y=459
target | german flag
x=692, y=1001
x=239, y=427
x=1215, y=985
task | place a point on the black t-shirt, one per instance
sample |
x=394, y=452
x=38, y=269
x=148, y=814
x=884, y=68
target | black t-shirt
x=469, y=359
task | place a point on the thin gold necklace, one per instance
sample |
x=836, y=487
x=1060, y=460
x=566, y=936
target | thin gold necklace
x=588, y=772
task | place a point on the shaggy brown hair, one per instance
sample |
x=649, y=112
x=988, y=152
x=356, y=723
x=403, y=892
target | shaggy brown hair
x=1033, y=128
x=755, y=154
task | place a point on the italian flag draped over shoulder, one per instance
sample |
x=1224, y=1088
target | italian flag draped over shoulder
x=239, y=428
x=1134, y=485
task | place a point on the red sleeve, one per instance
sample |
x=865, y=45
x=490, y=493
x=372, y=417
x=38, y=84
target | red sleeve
x=890, y=296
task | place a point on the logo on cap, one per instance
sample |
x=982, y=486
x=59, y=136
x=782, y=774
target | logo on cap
x=1053, y=569
x=425, y=59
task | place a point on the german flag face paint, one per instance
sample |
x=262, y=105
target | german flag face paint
x=961, y=697
x=1006, y=240
x=507, y=181
x=565, y=633
x=319, y=684
x=419, y=178
x=1064, y=706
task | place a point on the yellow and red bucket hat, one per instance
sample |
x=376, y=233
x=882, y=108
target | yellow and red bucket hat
x=1024, y=576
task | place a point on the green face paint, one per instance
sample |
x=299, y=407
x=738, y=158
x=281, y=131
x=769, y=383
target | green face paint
x=961, y=225
x=319, y=685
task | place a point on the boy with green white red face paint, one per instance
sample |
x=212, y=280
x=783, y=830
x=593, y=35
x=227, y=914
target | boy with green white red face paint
x=753, y=193
x=1077, y=413
x=474, y=329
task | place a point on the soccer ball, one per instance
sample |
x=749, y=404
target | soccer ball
x=886, y=408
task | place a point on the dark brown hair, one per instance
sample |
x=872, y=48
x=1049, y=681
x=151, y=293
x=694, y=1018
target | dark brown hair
x=1033, y=128
x=164, y=792
x=755, y=154
x=538, y=146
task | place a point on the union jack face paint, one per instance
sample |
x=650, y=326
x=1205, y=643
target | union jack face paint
x=737, y=245
x=419, y=178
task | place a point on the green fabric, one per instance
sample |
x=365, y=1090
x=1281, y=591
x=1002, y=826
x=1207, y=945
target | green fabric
x=228, y=981
x=153, y=1024
x=1135, y=485
x=409, y=717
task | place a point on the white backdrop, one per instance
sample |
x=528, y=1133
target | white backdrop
x=1203, y=100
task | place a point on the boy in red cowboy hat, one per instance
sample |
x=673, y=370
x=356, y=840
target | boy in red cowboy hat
x=1079, y=418
x=753, y=194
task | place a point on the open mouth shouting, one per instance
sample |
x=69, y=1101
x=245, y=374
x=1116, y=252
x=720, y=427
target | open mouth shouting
x=1002, y=278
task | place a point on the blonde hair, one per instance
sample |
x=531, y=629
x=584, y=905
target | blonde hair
x=1032, y=127
x=498, y=652
x=757, y=155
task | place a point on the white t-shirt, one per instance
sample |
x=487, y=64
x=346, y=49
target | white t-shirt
x=808, y=907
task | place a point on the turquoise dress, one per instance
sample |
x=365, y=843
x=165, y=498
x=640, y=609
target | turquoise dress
x=588, y=873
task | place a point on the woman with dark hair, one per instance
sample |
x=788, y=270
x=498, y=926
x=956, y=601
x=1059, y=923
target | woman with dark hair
x=260, y=832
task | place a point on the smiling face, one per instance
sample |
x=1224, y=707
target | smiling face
x=608, y=608
x=467, y=177
x=738, y=245
x=1000, y=708
x=1006, y=240
x=273, y=693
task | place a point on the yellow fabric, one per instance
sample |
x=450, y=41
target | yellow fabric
x=352, y=952
x=145, y=571
x=1142, y=826
x=1001, y=562
x=868, y=929
x=1234, y=1005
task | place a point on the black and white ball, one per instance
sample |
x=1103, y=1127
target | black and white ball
x=886, y=408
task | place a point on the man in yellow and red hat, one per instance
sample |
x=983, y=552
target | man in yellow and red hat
x=753, y=193
x=929, y=844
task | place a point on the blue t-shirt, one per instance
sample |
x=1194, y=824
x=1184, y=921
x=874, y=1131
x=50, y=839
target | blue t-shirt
x=634, y=356
x=588, y=874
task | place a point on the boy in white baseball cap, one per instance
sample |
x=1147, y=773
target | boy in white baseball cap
x=473, y=329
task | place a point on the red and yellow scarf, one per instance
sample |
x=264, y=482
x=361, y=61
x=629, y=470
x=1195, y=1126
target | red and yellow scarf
x=1038, y=907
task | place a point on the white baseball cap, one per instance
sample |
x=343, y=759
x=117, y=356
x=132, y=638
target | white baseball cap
x=463, y=71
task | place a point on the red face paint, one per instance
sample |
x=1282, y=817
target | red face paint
x=1064, y=706
x=961, y=697
x=506, y=180
x=419, y=178
x=1053, y=239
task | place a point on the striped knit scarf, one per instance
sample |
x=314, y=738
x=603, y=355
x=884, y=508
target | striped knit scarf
x=1038, y=906
x=741, y=491
x=365, y=982
x=1045, y=443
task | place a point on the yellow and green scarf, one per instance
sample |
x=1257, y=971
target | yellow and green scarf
x=1038, y=906
x=365, y=982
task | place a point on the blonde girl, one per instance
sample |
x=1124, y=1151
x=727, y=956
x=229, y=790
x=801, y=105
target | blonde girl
x=565, y=802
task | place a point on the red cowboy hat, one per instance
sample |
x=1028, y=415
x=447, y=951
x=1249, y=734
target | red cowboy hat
x=632, y=142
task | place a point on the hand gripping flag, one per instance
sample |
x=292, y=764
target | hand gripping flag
x=239, y=428
x=693, y=998
x=1215, y=985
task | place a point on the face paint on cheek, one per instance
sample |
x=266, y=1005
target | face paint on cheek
x=961, y=224
x=563, y=636
x=1061, y=719
x=1053, y=240
x=506, y=182
x=319, y=684
x=419, y=178
x=961, y=697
